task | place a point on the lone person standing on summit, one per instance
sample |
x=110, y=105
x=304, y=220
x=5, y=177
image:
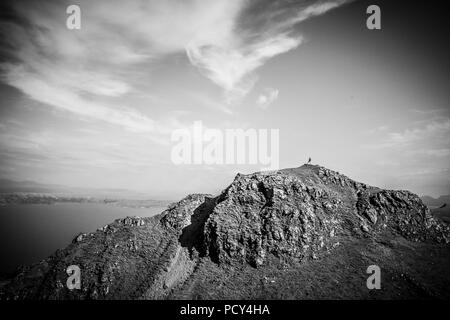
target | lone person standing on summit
x=309, y=160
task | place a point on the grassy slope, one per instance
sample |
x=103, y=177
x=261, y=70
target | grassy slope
x=339, y=275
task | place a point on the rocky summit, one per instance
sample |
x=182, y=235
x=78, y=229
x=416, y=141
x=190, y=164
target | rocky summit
x=301, y=233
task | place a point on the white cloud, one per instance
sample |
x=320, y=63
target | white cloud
x=229, y=68
x=60, y=97
x=78, y=70
x=430, y=139
x=210, y=103
x=267, y=98
x=378, y=129
x=230, y=65
x=434, y=130
x=445, y=152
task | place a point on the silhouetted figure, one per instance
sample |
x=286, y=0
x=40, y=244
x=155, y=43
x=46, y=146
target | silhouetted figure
x=309, y=160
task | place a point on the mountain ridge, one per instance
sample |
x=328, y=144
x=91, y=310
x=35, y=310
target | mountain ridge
x=30, y=187
x=265, y=225
x=430, y=201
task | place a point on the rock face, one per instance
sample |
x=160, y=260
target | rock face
x=298, y=213
x=278, y=221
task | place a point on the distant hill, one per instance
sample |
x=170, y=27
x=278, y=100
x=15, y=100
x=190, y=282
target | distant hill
x=10, y=186
x=31, y=187
x=440, y=207
x=433, y=202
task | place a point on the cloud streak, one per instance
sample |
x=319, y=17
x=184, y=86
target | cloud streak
x=83, y=71
x=429, y=140
x=231, y=63
x=59, y=96
x=230, y=67
x=60, y=67
x=436, y=131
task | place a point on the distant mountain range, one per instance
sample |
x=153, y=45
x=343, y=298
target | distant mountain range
x=31, y=192
x=32, y=187
x=433, y=202
x=10, y=186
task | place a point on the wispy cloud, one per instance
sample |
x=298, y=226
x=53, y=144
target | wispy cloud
x=60, y=67
x=378, y=129
x=60, y=96
x=230, y=67
x=207, y=102
x=81, y=71
x=267, y=97
x=230, y=64
x=434, y=130
x=444, y=152
x=429, y=139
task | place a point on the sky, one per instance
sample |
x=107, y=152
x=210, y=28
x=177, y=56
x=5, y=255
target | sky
x=96, y=107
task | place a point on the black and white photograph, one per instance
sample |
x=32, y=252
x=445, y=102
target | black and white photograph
x=224, y=150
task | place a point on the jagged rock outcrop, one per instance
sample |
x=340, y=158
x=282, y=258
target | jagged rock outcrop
x=285, y=218
x=298, y=213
